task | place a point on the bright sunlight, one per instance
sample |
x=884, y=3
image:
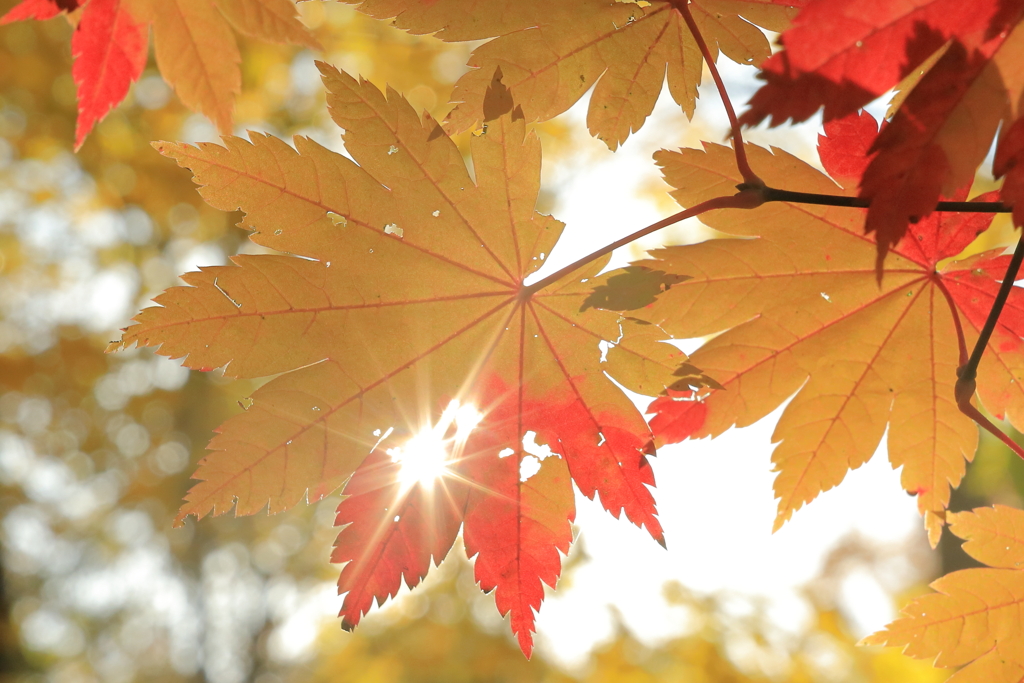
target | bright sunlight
x=425, y=457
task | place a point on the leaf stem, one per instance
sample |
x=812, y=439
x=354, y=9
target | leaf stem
x=745, y=199
x=967, y=373
x=772, y=194
x=976, y=415
x=749, y=177
x=970, y=370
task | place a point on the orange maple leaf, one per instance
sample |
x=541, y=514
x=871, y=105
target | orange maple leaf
x=974, y=617
x=624, y=48
x=553, y=53
x=801, y=316
x=194, y=44
x=196, y=49
x=406, y=292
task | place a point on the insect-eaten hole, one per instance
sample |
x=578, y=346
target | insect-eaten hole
x=535, y=453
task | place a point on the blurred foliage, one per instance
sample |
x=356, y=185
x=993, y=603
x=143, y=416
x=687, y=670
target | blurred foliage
x=95, y=449
x=445, y=633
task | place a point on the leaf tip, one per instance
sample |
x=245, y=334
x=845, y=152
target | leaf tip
x=163, y=147
x=525, y=638
x=327, y=70
x=82, y=130
x=933, y=524
x=781, y=518
x=876, y=638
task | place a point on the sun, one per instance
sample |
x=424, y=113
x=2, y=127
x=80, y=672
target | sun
x=425, y=457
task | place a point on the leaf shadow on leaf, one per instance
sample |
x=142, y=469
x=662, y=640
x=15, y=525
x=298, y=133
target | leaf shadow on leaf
x=634, y=288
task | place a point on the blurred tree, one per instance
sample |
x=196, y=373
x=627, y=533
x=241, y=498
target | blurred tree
x=95, y=449
x=446, y=632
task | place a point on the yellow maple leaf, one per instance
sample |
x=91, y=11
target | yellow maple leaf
x=196, y=49
x=798, y=313
x=974, y=617
x=624, y=48
x=553, y=53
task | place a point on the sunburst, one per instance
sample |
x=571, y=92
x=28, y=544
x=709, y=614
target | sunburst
x=425, y=458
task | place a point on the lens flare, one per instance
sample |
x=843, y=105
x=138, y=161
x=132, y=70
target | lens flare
x=425, y=457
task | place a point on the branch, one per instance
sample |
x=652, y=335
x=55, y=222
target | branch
x=749, y=177
x=752, y=196
x=772, y=194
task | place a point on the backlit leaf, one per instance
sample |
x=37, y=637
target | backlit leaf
x=40, y=10
x=110, y=49
x=841, y=55
x=624, y=48
x=405, y=292
x=458, y=20
x=194, y=44
x=973, y=617
x=800, y=314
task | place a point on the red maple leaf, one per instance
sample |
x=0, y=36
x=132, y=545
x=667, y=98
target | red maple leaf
x=109, y=47
x=39, y=10
x=842, y=54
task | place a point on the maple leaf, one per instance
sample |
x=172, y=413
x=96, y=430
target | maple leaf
x=840, y=55
x=195, y=48
x=801, y=316
x=406, y=292
x=552, y=54
x=40, y=10
x=109, y=47
x=974, y=617
x=1009, y=165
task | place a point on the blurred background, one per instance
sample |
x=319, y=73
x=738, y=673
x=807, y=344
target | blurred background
x=96, y=449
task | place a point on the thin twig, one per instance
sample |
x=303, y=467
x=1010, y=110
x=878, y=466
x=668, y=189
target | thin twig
x=772, y=194
x=749, y=177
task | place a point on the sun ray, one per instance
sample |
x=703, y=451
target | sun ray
x=426, y=457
